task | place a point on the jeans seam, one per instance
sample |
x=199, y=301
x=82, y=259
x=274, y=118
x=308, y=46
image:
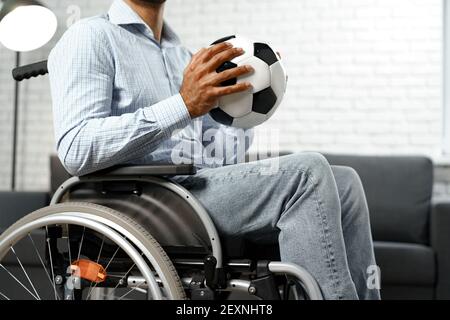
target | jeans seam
x=234, y=177
x=325, y=231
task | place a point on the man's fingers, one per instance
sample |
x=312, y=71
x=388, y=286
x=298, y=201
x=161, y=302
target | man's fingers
x=224, y=56
x=196, y=57
x=216, y=49
x=205, y=54
x=240, y=87
x=232, y=73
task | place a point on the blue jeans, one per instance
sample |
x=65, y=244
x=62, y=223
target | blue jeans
x=319, y=213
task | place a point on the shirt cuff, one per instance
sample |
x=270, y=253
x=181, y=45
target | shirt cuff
x=170, y=114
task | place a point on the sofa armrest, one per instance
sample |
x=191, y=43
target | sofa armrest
x=16, y=205
x=440, y=241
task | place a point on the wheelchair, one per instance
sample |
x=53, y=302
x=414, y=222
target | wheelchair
x=130, y=232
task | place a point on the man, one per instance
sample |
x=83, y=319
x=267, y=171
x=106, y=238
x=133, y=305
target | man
x=122, y=94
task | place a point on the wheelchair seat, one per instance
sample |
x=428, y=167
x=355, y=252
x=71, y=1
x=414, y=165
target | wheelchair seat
x=59, y=173
x=120, y=196
x=150, y=170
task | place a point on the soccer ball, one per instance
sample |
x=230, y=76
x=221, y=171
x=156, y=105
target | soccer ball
x=251, y=108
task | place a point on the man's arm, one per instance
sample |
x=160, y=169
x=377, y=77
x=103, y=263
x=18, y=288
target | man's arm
x=89, y=137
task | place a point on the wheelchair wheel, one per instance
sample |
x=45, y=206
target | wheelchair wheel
x=84, y=251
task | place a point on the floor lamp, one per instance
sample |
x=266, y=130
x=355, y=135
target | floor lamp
x=25, y=25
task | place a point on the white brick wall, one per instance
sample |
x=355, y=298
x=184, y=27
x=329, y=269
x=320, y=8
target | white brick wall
x=365, y=75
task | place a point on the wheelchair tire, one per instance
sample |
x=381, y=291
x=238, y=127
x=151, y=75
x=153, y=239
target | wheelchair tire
x=166, y=267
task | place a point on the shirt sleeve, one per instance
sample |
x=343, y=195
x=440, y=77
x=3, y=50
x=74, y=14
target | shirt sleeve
x=88, y=136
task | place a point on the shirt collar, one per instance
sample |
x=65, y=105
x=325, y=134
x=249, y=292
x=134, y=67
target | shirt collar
x=121, y=13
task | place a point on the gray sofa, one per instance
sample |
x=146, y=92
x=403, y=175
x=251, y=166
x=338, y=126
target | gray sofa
x=411, y=233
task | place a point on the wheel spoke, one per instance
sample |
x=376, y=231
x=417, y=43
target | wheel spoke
x=98, y=258
x=18, y=281
x=130, y=291
x=101, y=248
x=51, y=265
x=25, y=272
x=70, y=252
x=68, y=244
x=40, y=258
x=81, y=243
x=106, y=268
x=124, y=276
x=112, y=258
x=79, y=249
x=4, y=296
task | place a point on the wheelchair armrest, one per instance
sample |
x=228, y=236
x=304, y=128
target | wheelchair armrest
x=153, y=170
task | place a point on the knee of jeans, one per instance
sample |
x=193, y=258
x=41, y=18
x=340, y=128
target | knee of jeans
x=310, y=162
x=353, y=183
x=352, y=193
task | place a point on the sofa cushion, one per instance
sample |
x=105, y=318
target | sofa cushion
x=398, y=191
x=58, y=174
x=405, y=264
x=407, y=293
x=15, y=205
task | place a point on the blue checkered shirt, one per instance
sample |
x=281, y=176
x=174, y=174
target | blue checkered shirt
x=116, y=100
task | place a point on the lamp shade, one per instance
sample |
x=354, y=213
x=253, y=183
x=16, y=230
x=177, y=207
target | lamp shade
x=26, y=25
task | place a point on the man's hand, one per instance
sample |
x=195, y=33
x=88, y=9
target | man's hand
x=202, y=87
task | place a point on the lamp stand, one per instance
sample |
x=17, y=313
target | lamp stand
x=15, y=121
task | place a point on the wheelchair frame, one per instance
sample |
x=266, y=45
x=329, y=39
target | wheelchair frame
x=214, y=268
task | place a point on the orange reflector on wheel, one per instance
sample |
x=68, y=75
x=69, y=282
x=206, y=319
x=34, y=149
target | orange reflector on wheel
x=88, y=270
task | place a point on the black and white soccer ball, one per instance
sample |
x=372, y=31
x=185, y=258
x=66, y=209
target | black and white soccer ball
x=251, y=108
